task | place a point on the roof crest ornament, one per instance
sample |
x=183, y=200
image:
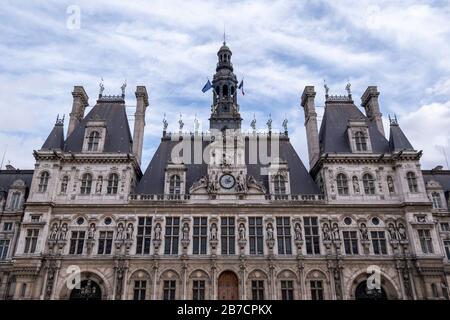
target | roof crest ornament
x=181, y=123
x=269, y=123
x=165, y=123
x=393, y=121
x=285, y=127
x=327, y=89
x=347, y=88
x=124, y=85
x=253, y=124
x=102, y=88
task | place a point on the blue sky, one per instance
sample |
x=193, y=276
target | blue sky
x=170, y=47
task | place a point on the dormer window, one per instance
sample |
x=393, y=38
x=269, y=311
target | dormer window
x=93, y=141
x=360, y=141
x=43, y=181
x=412, y=182
x=86, y=183
x=175, y=184
x=16, y=200
x=369, y=184
x=113, y=182
x=436, y=200
x=342, y=184
x=279, y=184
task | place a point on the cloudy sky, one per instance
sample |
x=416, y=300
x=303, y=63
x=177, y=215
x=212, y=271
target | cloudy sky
x=170, y=47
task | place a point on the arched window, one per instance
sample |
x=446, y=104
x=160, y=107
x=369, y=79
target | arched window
x=64, y=183
x=15, y=201
x=342, y=184
x=175, y=184
x=369, y=184
x=93, y=140
x=86, y=183
x=390, y=183
x=225, y=91
x=43, y=181
x=113, y=182
x=412, y=182
x=279, y=184
x=361, y=142
x=436, y=200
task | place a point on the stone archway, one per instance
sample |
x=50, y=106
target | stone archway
x=363, y=293
x=89, y=290
x=228, y=286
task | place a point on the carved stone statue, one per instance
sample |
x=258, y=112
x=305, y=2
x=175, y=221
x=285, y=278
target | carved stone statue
x=253, y=124
x=213, y=232
x=269, y=230
x=99, y=185
x=326, y=232
x=165, y=123
x=91, y=232
x=355, y=184
x=63, y=232
x=285, y=127
x=240, y=183
x=185, y=231
x=54, y=233
x=335, y=232
x=364, y=232
x=347, y=88
x=158, y=232
x=298, y=232
x=102, y=87
x=241, y=232
x=401, y=231
x=124, y=85
x=392, y=232
x=269, y=123
x=120, y=234
x=130, y=230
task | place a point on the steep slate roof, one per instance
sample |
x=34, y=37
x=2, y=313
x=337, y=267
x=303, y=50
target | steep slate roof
x=398, y=140
x=441, y=176
x=153, y=180
x=55, y=139
x=7, y=178
x=118, y=135
x=333, y=130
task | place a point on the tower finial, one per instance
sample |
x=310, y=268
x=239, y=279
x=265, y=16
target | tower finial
x=224, y=35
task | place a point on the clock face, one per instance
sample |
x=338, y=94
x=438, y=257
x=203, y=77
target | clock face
x=227, y=181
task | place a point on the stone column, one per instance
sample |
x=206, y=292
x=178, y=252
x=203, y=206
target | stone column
x=139, y=121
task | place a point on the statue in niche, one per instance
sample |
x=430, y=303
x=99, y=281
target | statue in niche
x=364, y=232
x=355, y=184
x=326, y=232
x=269, y=230
x=185, y=231
x=91, y=232
x=213, y=232
x=158, y=232
x=391, y=231
x=54, y=233
x=99, y=185
x=63, y=232
x=241, y=232
x=335, y=232
x=130, y=230
x=120, y=234
x=401, y=231
x=298, y=232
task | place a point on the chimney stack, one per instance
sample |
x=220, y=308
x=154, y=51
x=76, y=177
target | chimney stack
x=369, y=101
x=139, y=121
x=80, y=102
x=312, y=133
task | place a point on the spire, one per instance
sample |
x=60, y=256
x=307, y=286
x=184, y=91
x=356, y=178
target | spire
x=397, y=139
x=55, y=140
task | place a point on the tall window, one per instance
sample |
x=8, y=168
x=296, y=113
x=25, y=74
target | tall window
x=198, y=290
x=31, y=240
x=7, y=226
x=361, y=141
x=342, y=184
x=287, y=290
x=140, y=287
x=169, y=289
x=200, y=237
x=93, y=141
x=412, y=182
x=436, y=200
x=369, y=184
x=86, y=183
x=105, y=240
x=426, y=242
x=227, y=232
x=279, y=184
x=15, y=201
x=172, y=235
x=255, y=230
x=77, y=242
x=144, y=235
x=175, y=184
x=316, y=289
x=64, y=183
x=113, y=182
x=284, y=235
x=4, y=245
x=447, y=248
x=257, y=289
x=378, y=242
x=43, y=181
x=312, y=237
x=350, y=242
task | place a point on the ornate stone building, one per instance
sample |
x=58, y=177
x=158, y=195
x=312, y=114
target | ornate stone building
x=226, y=214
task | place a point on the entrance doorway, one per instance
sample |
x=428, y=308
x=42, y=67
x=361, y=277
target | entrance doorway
x=89, y=290
x=228, y=286
x=363, y=293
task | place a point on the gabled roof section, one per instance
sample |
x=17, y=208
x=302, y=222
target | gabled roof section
x=397, y=139
x=333, y=136
x=112, y=111
x=55, y=140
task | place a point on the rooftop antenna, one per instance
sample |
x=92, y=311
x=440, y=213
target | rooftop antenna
x=3, y=158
